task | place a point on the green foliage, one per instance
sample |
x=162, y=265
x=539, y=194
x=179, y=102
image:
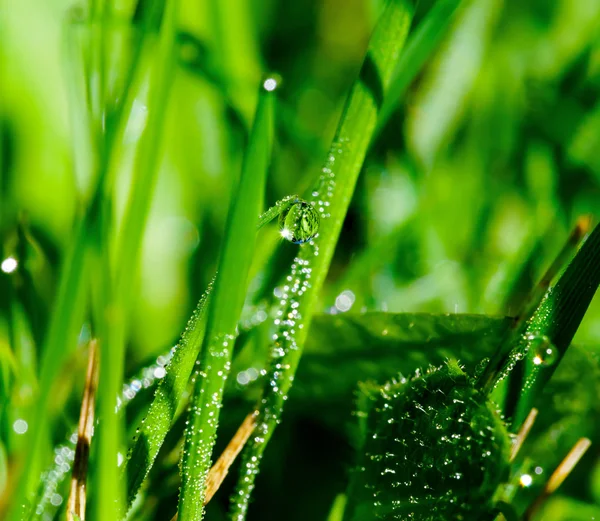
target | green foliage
x=462, y=158
x=379, y=346
x=155, y=426
x=433, y=447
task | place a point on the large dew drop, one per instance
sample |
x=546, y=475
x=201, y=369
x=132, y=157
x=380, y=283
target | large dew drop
x=299, y=223
x=544, y=353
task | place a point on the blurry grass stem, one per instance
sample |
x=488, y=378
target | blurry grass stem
x=523, y=432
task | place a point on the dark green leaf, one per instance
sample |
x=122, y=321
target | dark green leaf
x=345, y=349
x=433, y=448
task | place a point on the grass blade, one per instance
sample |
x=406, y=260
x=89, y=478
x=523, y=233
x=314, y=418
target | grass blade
x=558, y=318
x=331, y=196
x=224, y=313
x=419, y=47
x=116, y=302
x=156, y=424
x=529, y=306
x=236, y=51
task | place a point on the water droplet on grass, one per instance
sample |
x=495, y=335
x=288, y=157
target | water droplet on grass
x=544, y=353
x=299, y=223
x=9, y=265
x=526, y=480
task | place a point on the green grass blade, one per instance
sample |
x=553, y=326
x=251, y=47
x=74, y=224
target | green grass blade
x=331, y=196
x=61, y=337
x=236, y=50
x=227, y=301
x=156, y=424
x=558, y=318
x=419, y=47
x=110, y=496
x=69, y=305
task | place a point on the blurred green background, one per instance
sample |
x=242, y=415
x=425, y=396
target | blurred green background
x=475, y=180
x=467, y=194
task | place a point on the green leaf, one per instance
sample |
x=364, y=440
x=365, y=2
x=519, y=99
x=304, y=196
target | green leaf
x=433, y=447
x=342, y=350
x=224, y=314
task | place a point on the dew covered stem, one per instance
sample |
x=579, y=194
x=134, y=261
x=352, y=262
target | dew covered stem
x=331, y=197
x=530, y=307
x=151, y=433
x=231, y=284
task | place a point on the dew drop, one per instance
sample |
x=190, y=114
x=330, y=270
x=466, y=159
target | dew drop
x=544, y=353
x=9, y=265
x=20, y=426
x=526, y=480
x=270, y=84
x=299, y=223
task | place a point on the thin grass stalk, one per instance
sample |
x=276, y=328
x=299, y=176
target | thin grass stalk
x=224, y=313
x=114, y=300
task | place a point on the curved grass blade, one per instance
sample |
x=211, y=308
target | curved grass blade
x=331, y=197
x=224, y=313
x=155, y=426
x=558, y=317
